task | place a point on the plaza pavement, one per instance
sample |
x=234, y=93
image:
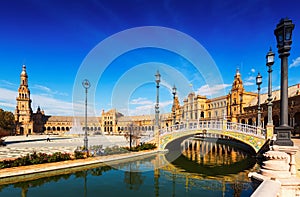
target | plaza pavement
x=21, y=145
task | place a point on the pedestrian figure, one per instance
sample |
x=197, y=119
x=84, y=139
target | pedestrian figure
x=48, y=138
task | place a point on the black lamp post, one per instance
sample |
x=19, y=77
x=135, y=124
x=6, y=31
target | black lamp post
x=269, y=62
x=157, y=80
x=174, y=107
x=130, y=136
x=258, y=83
x=86, y=84
x=283, y=33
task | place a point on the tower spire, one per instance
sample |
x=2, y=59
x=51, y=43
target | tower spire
x=23, y=112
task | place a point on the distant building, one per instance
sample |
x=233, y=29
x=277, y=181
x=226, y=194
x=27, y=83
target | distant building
x=238, y=106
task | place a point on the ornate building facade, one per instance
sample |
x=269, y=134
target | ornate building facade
x=238, y=106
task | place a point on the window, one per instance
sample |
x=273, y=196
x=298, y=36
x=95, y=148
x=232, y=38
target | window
x=202, y=114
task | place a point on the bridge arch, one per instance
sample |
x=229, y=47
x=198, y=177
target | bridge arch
x=247, y=134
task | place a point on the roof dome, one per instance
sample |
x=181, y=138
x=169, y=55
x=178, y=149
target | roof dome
x=23, y=73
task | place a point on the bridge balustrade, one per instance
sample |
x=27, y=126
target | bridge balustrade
x=216, y=125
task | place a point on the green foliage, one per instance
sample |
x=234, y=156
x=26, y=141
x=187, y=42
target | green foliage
x=144, y=146
x=58, y=156
x=35, y=158
x=114, y=150
x=7, y=123
x=79, y=155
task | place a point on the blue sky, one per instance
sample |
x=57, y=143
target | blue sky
x=54, y=38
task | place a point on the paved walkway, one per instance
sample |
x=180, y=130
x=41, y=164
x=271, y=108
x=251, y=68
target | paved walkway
x=22, y=145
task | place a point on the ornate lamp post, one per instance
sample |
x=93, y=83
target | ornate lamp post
x=283, y=33
x=157, y=80
x=174, y=107
x=258, y=83
x=86, y=84
x=269, y=62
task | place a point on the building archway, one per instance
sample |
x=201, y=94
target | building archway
x=21, y=130
x=250, y=121
x=297, y=118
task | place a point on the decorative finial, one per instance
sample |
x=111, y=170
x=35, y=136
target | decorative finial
x=237, y=71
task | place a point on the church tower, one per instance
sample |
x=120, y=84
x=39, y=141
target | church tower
x=23, y=112
x=235, y=98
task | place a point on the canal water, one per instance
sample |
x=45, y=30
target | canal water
x=220, y=170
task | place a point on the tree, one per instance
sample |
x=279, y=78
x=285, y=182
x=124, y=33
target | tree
x=7, y=124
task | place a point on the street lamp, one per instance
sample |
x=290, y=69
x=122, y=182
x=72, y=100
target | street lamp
x=174, y=107
x=269, y=62
x=258, y=83
x=283, y=33
x=86, y=84
x=157, y=80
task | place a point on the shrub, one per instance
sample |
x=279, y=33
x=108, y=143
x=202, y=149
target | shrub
x=35, y=158
x=58, y=156
x=79, y=155
x=114, y=150
x=144, y=146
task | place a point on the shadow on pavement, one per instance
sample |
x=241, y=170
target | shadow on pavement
x=33, y=140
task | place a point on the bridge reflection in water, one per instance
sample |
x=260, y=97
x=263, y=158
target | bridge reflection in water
x=214, y=157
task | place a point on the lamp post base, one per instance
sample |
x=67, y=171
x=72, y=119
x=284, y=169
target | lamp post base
x=283, y=137
x=270, y=131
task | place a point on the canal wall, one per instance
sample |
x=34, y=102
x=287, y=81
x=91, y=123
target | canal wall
x=25, y=173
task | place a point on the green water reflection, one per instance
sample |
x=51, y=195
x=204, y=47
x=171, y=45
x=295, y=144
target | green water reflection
x=186, y=176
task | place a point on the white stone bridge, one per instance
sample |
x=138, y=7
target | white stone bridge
x=248, y=134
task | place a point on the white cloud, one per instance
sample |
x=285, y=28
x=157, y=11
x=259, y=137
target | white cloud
x=51, y=106
x=48, y=91
x=208, y=91
x=8, y=99
x=253, y=70
x=250, y=78
x=141, y=101
x=5, y=83
x=248, y=83
x=43, y=88
x=295, y=62
x=148, y=109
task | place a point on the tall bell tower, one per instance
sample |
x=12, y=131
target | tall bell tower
x=236, y=97
x=23, y=111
